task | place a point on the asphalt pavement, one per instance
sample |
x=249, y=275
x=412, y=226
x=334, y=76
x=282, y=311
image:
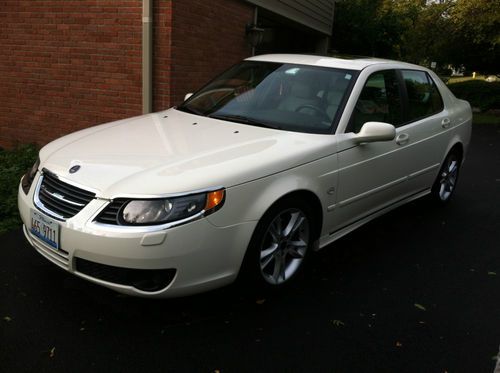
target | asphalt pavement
x=417, y=290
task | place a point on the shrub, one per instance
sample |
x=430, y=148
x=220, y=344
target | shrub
x=13, y=164
x=479, y=93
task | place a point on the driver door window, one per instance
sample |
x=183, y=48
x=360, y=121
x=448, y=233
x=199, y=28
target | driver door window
x=379, y=101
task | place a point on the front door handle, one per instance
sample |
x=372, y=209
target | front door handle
x=402, y=139
x=446, y=123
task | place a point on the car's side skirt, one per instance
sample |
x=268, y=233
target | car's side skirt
x=333, y=236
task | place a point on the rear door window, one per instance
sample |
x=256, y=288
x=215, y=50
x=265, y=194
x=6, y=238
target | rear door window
x=424, y=98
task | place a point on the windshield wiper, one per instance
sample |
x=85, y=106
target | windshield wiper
x=187, y=109
x=242, y=119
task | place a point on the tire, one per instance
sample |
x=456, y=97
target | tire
x=280, y=245
x=447, y=179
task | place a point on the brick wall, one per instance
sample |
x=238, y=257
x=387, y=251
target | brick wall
x=66, y=65
x=207, y=38
x=71, y=64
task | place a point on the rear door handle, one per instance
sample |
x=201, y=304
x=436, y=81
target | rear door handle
x=446, y=123
x=402, y=139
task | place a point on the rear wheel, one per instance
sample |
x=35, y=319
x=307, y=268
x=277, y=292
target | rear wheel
x=447, y=179
x=280, y=245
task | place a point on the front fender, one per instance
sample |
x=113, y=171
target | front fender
x=249, y=201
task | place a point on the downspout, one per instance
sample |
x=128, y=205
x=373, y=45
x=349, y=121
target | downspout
x=255, y=19
x=147, y=56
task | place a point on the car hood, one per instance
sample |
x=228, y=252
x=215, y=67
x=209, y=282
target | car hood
x=176, y=152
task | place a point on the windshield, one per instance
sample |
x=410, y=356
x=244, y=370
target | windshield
x=282, y=96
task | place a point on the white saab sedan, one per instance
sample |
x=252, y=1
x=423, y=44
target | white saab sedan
x=278, y=156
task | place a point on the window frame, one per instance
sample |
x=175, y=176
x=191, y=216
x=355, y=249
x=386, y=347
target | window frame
x=403, y=92
x=406, y=100
x=402, y=96
x=340, y=110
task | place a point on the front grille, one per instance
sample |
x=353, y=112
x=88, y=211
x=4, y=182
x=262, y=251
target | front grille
x=149, y=280
x=110, y=214
x=60, y=198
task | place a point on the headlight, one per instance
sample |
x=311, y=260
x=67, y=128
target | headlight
x=161, y=211
x=29, y=176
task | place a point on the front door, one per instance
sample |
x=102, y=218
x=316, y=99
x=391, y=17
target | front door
x=373, y=175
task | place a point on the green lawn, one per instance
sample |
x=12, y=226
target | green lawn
x=485, y=118
x=461, y=79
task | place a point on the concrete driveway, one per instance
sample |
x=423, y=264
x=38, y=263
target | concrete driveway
x=417, y=290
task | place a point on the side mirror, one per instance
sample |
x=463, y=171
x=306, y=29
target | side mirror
x=187, y=96
x=375, y=131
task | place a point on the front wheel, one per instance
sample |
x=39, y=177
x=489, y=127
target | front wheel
x=447, y=179
x=279, y=245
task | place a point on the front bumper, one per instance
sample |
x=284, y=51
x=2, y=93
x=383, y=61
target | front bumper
x=204, y=256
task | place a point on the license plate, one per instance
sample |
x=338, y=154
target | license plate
x=45, y=228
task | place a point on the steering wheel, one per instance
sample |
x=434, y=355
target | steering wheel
x=317, y=110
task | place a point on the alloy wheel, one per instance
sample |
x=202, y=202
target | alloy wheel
x=284, y=246
x=448, y=177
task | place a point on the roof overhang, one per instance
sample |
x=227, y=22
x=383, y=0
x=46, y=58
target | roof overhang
x=315, y=14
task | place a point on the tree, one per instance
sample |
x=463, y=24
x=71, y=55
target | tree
x=429, y=37
x=477, y=24
x=458, y=32
x=356, y=28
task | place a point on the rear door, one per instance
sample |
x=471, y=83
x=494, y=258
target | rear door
x=427, y=126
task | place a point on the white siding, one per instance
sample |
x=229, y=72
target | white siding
x=316, y=14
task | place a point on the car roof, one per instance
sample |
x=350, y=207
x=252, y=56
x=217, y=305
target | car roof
x=342, y=62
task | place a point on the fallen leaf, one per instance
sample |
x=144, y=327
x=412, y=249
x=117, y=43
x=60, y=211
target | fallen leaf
x=338, y=323
x=492, y=273
x=260, y=301
x=52, y=352
x=420, y=307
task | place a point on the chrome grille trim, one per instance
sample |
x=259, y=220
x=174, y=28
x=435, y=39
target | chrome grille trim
x=59, y=199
